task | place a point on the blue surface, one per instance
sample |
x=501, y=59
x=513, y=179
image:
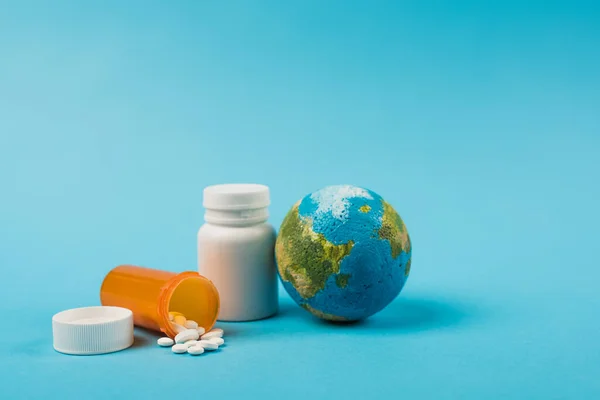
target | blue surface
x=480, y=123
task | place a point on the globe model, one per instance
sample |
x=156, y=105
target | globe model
x=343, y=253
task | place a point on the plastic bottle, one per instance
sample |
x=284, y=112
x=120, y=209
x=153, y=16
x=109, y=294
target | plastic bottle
x=151, y=293
x=236, y=250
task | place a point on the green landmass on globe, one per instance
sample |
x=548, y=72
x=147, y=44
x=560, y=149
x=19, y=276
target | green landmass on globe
x=343, y=253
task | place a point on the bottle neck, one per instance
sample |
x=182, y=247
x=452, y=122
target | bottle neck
x=236, y=217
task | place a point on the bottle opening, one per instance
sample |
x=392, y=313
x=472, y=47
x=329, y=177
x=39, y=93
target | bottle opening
x=192, y=295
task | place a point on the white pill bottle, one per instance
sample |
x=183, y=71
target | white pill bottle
x=236, y=250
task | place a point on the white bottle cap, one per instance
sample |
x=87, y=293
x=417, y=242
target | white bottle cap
x=92, y=330
x=236, y=196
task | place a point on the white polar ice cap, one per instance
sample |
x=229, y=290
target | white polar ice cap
x=334, y=199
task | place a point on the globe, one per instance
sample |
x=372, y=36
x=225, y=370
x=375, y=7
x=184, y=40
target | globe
x=343, y=253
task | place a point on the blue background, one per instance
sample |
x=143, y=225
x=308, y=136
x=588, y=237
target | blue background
x=480, y=123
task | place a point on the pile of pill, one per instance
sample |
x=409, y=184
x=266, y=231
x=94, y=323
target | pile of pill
x=191, y=338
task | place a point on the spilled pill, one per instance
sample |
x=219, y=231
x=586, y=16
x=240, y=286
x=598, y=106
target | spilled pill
x=216, y=340
x=218, y=330
x=165, y=342
x=173, y=314
x=208, y=345
x=195, y=350
x=213, y=333
x=190, y=324
x=188, y=334
x=190, y=337
x=180, y=320
x=179, y=348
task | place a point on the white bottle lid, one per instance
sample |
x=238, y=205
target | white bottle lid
x=92, y=330
x=236, y=196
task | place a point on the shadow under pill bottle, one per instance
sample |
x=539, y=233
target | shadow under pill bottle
x=236, y=250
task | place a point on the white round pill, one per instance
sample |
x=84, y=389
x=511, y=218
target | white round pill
x=179, y=348
x=165, y=342
x=190, y=324
x=200, y=330
x=178, y=328
x=208, y=345
x=191, y=343
x=195, y=350
x=216, y=340
x=188, y=334
x=213, y=333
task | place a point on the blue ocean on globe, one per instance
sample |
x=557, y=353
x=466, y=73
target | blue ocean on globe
x=343, y=253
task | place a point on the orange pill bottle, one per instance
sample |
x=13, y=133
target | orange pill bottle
x=150, y=294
